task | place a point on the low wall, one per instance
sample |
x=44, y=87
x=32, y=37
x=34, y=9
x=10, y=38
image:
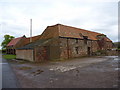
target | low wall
x=106, y=53
x=24, y=54
x=113, y=53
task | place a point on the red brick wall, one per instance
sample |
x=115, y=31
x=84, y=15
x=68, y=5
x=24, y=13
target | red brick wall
x=65, y=48
x=40, y=54
x=25, y=54
x=68, y=48
x=48, y=32
x=48, y=51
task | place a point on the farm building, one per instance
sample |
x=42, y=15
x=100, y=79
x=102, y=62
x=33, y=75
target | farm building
x=19, y=42
x=63, y=42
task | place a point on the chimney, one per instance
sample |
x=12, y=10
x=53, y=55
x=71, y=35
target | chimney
x=30, y=30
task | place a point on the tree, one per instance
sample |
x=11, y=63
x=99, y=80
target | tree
x=7, y=39
x=117, y=45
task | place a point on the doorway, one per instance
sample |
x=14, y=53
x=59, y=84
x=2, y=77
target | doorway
x=88, y=51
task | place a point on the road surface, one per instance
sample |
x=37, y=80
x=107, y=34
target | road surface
x=88, y=72
x=9, y=79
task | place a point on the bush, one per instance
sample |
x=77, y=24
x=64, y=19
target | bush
x=101, y=52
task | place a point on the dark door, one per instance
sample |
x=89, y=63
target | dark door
x=46, y=52
x=41, y=53
x=54, y=52
x=88, y=50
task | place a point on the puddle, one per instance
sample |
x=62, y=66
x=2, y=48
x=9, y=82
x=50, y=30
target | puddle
x=76, y=64
x=115, y=86
x=54, y=79
x=3, y=63
x=117, y=68
x=116, y=59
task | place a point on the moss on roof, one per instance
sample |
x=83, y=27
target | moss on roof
x=34, y=44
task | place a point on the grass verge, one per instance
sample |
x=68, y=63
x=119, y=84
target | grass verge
x=9, y=56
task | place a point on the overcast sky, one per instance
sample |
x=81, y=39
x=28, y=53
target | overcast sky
x=96, y=16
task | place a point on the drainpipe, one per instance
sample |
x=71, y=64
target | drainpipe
x=34, y=54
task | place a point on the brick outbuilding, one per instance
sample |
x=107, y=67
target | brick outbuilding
x=64, y=42
x=19, y=42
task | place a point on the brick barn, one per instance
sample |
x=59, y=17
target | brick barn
x=19, y=42
x=64, y=42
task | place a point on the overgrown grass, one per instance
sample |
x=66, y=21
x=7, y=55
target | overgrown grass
x=118, y=49
x=9, y=56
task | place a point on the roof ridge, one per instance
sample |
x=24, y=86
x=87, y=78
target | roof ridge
x=34, y=36
x=79, y=28
x=17, y=37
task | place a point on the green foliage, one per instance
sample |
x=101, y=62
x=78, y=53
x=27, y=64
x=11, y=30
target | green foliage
x=7, y=39
x=9, y=56
x=118, y=49
x=100, y=52
x=117, y=45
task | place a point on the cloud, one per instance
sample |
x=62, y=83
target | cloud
x=97, y=16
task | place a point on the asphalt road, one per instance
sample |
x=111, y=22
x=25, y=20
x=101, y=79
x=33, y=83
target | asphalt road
x=88, y=72
x=9, y=79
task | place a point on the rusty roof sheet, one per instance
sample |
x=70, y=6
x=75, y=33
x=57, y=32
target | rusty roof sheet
x=34, y=38
x=39, y=42
x=27, y=40
x=14, y=41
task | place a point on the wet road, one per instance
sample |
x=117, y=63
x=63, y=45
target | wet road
x=9, y=79
x=91, y=72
